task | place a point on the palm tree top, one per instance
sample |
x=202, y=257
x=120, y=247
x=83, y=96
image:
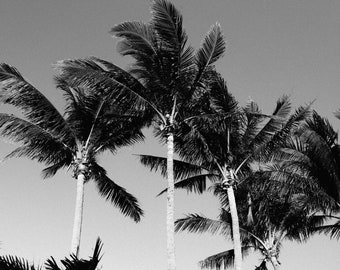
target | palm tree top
x=93, y=122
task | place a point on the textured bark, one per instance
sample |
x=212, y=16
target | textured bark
x=170, y=222
x=236, y=229
x=78, y=215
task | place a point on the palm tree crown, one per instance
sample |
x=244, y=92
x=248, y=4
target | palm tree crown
x=166, y=78
x=93, y=122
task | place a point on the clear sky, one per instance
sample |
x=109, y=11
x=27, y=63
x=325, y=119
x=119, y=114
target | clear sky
x=275, y=47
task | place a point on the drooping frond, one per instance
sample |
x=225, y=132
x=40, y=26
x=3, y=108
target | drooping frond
x=104, y=122
x=181, y=169
x=222, y=101
x=196, y=184
x=37, y=143
x=114, y=193
x=137, y=39
x=222, y=260
x=333, y=230
x=97, y=73
x=195, y=223
x=16, y=91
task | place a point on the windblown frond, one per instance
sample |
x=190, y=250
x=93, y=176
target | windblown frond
x=181, y=169
x=195, y=223
x=222, y=260
x=37, y=143
x=167, y=22
x=274, y=124
x=212, y=49
x=114, y=193
x=333, y=230
x=138, y=39
x=16, y=91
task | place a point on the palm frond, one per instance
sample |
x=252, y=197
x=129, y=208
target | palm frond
x=195, y=223
x=97, y=73
x=333, y=230
x=35, y=106
x=167, y=22
x=275, y=122
x=222, y=260
x=196, y=184
x=37, y=143
x=114, y=193
x=182, y=169
x=222, y=101
x=138, y=39
x=212, y=49
x=15, y=263
x=53, y=169
x=74, y=263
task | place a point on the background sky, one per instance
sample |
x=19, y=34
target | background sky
x=274, y=47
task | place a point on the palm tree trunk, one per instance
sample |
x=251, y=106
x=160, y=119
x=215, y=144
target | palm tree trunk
x=235, y=229
x=78, y=215
x=275, y=263
x=170, y=223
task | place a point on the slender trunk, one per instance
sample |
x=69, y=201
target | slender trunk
x=235, y=229
x=275, y=263
x=78, y=215
x=170, y=222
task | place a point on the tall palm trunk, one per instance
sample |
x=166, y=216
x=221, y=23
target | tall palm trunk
x=235, y=229
x=233, y=213
x=170, y=223
x=78, y=215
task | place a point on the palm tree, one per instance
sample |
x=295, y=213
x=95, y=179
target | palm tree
x=315, y=155
x=15, y=263
x=268, y=217
x=222, y=143
x=93, y=123
x=166, y=78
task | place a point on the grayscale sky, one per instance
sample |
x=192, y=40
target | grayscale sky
x=275, y=47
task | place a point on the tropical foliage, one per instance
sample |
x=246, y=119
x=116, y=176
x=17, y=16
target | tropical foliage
x=73, y=263
x=224, y=141
x=167, y=78
x=277, y=175
x=93, y=122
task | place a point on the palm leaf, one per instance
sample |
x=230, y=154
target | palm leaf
x=138, y=39
x=94, y=72
x=114, y=193
x=15, y=263
x=181, y=169
x=333, y=230
x=223, y=259
x=35, y=106
x=212, y=49
x=196, y=184
x=195, y=223
x=73, y=263
x=274, y=124
x=167, y=22
x=37, y=143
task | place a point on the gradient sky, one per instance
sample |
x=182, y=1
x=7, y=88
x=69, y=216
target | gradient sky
x=275, y=47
